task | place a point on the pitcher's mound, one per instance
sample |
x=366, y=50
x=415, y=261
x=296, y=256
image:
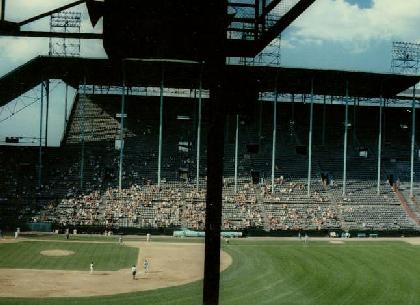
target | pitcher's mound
x=56, y=253
x=337, y=242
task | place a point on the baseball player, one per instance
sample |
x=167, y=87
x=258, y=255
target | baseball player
x=134, y=271
x=146, y=265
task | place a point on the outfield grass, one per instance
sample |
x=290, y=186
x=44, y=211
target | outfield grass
x=279, y=272
x=106, y=256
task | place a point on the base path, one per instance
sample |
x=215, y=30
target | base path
x=57, y=253
x=171, y=264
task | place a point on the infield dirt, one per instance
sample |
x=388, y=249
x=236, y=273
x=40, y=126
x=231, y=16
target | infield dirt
x=171, y=264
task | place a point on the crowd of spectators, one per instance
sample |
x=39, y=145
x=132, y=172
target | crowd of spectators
x=179, y=204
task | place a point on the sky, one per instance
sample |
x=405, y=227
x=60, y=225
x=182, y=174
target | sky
x=331, y=34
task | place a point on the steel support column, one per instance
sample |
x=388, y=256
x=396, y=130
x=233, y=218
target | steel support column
x=324, y=114
x=378, y=190
x=413, y=142
x=65, y=108
x=273, y=156
x=3, y=9
x=346, y=118
x=215, y=73
x=160, y=129
x=311, y=115
x=236, y=153
x=122, y=134
x=215, y=149
x=47, y=112
x=384, y=121
x=82, y=134
x=293, y=107
x=41, y=114
x=353, y=127
x=199, y=131
x=260, y=120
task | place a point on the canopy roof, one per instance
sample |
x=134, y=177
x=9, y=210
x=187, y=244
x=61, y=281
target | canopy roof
x=186, y=74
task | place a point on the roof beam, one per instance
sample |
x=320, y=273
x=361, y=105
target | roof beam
x=143, y=73
x=57, y=10
x=43, y=34
x=269, y=8
x=239, y=4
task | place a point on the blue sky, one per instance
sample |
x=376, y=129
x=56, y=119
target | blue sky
x=351, y=34
x=361, y=3
x=332, y=34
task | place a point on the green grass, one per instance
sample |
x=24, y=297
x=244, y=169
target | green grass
x=111, y=239
x=79, y=237
x=106, y=256
x=280, y=272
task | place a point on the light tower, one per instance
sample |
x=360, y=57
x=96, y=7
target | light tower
x=65, y=22
x=405, y=57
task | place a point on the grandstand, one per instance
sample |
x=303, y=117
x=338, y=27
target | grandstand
x=141, y=204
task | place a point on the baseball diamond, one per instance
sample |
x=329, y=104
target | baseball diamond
x=277, y=270
x=181, y=152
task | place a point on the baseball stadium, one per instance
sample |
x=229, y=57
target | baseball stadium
x=193, y=164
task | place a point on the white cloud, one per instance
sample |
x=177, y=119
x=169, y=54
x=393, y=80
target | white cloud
x=286, y=44
x=339, y=21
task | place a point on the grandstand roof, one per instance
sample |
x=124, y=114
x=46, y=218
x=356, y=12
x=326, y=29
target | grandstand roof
x=186, y=74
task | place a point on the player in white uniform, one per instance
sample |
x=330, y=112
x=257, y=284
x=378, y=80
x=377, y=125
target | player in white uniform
x=91, y=267
x=134, y=271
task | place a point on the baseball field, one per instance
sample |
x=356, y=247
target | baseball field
x=255, y=271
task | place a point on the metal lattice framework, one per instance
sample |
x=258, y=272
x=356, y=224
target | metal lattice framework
x=65, y=22
x=270, y=56
x=405, y=57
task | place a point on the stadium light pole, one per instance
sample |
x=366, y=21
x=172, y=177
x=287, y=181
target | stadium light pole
x=311, y=117
x=200, y=89
x=236, y=153
x=413, y=142
x=160, y=127
x=379, y=146
x=122, y=140
x=40, y=136
x=345, y=138
x=273, y=156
